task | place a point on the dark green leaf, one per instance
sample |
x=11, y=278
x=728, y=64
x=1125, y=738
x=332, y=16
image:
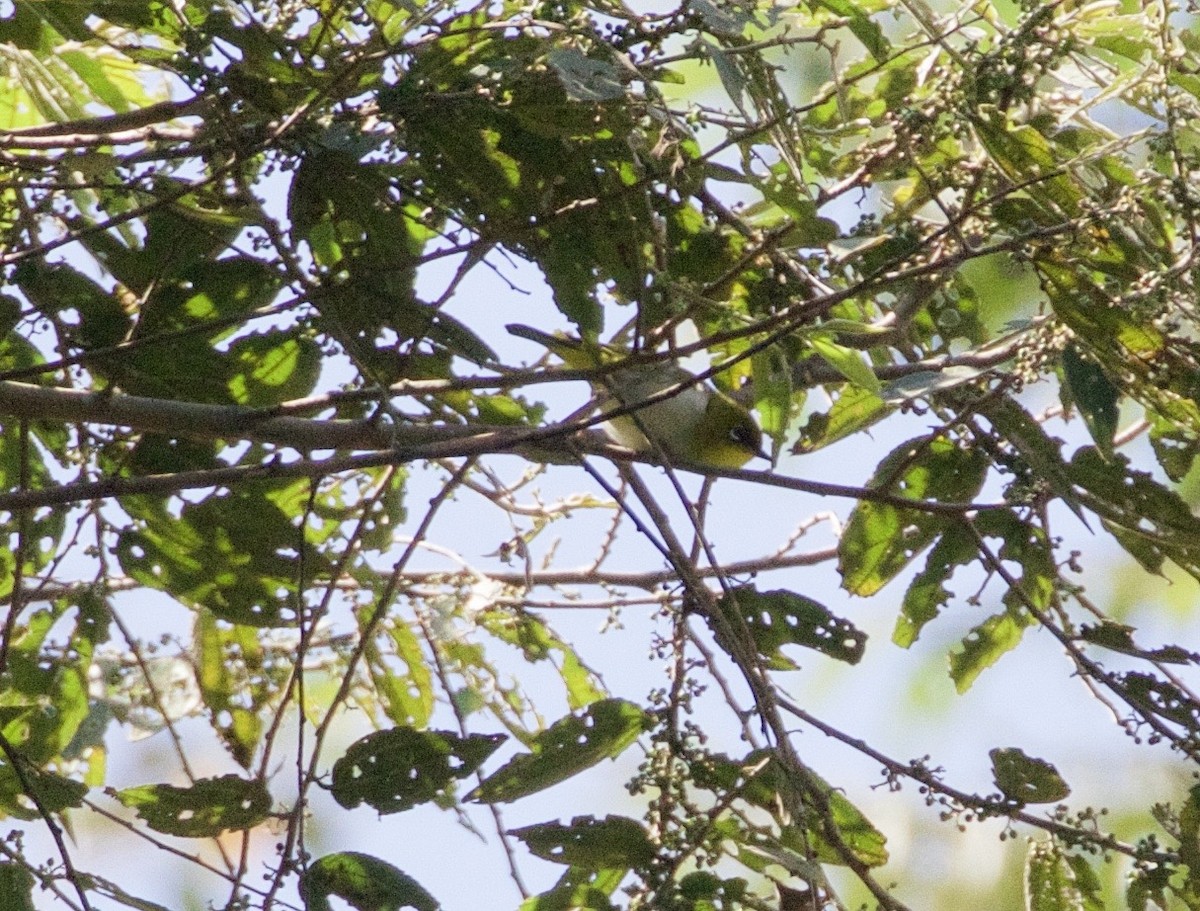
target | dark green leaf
x=366, y=883
x=1151, y=521
x=1161, y=697
x=704, y=891
x=1026, y=779
x=614, y=842
x=1149, y=885
x=572, y=744
x=54, y=792
x=400, y=768
x=1119, y=638
x=234, y=554
x=206, y=809
x=1093, y=394
x=778, y=618
x=16, y=888
x=1175, y=445
x=58, y=289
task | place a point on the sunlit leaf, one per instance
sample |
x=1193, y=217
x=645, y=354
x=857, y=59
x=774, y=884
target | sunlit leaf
x=572, y=744
x=882, y=538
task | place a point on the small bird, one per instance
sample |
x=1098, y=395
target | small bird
x=698, y=425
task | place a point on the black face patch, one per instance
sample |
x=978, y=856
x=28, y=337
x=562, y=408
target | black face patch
x=748, y=438
x=744, y=436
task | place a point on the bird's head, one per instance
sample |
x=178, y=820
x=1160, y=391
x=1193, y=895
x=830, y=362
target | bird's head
x=727, y=436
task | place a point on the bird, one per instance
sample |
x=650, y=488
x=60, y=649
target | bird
x=698, y=425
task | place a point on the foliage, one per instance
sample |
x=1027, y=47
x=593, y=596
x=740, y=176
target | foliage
x=255, y=260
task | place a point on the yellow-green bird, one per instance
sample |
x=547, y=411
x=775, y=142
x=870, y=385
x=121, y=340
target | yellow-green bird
x=699, y=425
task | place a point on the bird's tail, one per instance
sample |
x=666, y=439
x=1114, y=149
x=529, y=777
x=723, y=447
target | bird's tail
x=575, y=353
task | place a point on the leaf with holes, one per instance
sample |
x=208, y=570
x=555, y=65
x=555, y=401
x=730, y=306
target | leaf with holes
x=611, y=843
x=882, y=538
x=572, y=744
x=206, y=809
x=1026, y=779
x=397, y=769
x=780, y=617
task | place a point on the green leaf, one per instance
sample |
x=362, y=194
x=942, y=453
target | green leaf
x=406, y=691
x=927, y=593
x=1189, y=831
x=1175, y=446
x=1161, y=697
x=232, y=553
x=1086, y=882
x=614, y=842
x=230, y=671
x=1055, y=881
x=881, y=539
x=760, y=779
x=1151, y=521
x=831, y=807
x=1119, y=638
x=1149, y=885
x=57, y=288
x=365, y=882
x=206, y=809
x=704, y=891
x=54, y=792
x=271, y=368
x=985, y=645
x=773, y=393
x=572, y=744
x=1026, y=779
x=854, y=410
x=846, y=361
x=780, y=617
x=16, y=888
x=1041, y=454
x=862, y=26
x=569, y=897
x=111, y=890
x=398, y=769
x=1089, y=387
x=538, y=642
x=49, y=699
